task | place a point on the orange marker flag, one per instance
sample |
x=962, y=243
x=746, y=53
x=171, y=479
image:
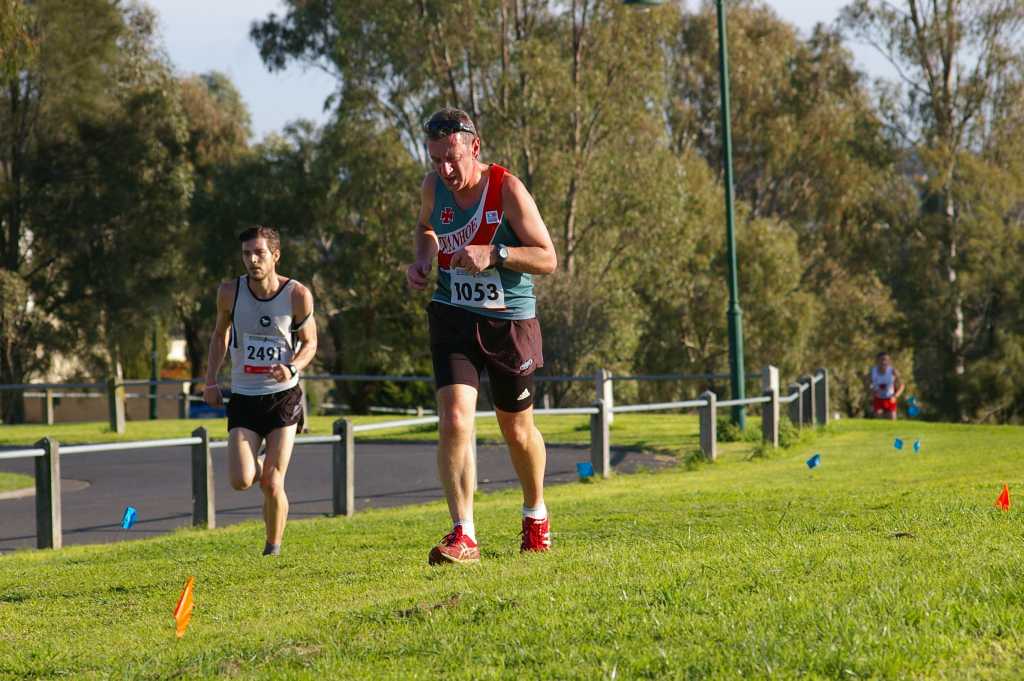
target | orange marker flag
x=183, y=610
x=1003, y=501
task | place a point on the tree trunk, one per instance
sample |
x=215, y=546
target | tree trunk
x=195, y=349
x=12, y=402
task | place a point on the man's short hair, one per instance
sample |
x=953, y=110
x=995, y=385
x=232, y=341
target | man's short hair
x=262, y=232
x=882, y=354
x=449, y=121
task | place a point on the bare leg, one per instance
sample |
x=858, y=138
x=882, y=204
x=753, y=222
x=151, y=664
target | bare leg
x=275, y=501
x=457, y=409
x=526, y=447
x=243, y=467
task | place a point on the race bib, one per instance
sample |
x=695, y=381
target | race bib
x=478, y=290
x=262, y=352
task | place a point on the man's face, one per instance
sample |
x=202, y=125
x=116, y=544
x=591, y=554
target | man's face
x=258, y=259
x=884, y=361
x=454, y=160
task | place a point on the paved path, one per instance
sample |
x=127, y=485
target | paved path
x=157, y=483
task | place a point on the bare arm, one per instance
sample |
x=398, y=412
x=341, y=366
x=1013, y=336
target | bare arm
x=424, y=240
x=219, y=343
x=899, y=385
x=535, y=255
x=302, y=315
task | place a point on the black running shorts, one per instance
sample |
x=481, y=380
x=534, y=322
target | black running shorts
x=264, y=413
x=463, y=344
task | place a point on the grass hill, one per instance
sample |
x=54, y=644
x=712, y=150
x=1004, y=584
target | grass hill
x=878, y=564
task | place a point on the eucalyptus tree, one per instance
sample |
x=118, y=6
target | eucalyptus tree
x=955, y=108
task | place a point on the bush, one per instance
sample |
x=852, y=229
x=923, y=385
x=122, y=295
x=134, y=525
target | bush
x=727, y=431
x=789, y=434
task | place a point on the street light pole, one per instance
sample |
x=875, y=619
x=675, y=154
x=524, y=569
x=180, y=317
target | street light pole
x=734, y=314
x=154, y=376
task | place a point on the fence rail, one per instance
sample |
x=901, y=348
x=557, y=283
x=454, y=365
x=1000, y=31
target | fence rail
x=115, y=393
x=804, y=409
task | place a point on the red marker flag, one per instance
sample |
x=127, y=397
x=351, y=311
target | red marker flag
x=183, y=610
x=1003, y=501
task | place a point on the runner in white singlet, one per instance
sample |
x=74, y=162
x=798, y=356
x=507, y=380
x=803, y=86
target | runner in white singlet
x=886, y=386
x=266, y=320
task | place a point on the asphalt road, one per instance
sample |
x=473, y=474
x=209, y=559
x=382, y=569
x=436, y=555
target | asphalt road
x=97, y=487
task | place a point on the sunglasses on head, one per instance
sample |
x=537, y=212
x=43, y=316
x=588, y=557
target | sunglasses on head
x=442, y=128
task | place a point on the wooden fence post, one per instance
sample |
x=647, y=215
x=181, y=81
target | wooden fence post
x=822, y=397
x=770, y=418
x=48, y=406
x=600, y=442
x=604, y=390
x=48, y=513
x=183, y=400
x=344, y=467
x=115, y=403
x=708, y=426
x=796, y=407
x=808, y=401
x=204, y=512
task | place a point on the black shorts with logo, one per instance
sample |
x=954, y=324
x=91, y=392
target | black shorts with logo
x=463, y=344
x=264, y=413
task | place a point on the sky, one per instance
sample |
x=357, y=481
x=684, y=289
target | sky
x=202, y=36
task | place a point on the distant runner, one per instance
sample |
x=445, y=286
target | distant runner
x=886, y=386
x=482, y=226
x=267, y=320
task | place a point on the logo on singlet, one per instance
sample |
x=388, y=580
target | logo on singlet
x=264, y=320
x=447, y=215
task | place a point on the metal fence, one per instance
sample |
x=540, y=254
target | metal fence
x=807, y=401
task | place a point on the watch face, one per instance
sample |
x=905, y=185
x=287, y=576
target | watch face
x=503, y=252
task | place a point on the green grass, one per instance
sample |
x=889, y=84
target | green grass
x=667, y=433
x=11, y=481
x=877, y=564
x=99, y=431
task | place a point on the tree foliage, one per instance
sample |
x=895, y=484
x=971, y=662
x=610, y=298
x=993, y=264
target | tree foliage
x=870, y=215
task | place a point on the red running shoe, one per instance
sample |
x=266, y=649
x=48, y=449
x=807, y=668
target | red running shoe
x=455, y=547
x=536, y=535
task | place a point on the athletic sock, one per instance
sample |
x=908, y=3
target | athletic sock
x=538, y=512
x=468, y=528
x=271, y=549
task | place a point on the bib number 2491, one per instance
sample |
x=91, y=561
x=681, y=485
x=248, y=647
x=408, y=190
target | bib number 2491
x=478, y=290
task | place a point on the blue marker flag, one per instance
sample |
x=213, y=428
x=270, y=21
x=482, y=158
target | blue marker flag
x=912, y=410
x=898, y=443
x=917, y=446
x=128, y=519
x=585, y=469
x=814, y=461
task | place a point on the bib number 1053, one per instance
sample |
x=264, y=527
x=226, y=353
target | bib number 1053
x=478, y=290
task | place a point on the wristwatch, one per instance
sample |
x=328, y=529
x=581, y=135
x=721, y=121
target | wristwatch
x=291, y=368
x=502, y=254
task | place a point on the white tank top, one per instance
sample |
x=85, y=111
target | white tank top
x=882, y=382
x=262, y=334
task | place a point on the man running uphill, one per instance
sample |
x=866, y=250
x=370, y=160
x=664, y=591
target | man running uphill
x=267, y=321
x=482, y=226
x=886, y=386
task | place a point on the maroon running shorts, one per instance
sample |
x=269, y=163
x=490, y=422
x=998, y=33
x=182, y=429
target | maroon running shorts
x=463, y=344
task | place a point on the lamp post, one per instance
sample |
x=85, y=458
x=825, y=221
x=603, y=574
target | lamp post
x=734, y=314
x=154, y=376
